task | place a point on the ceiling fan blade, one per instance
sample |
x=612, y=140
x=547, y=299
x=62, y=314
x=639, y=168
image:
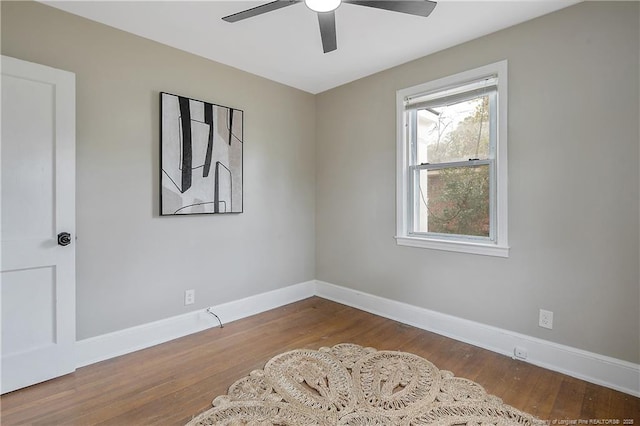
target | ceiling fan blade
x=327, y=21
x=412, y=7
x=259, y=10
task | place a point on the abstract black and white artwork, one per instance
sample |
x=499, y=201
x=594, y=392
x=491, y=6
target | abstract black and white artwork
x=201, y=157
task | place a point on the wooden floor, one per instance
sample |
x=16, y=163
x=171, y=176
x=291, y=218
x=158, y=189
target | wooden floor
x=169, y=383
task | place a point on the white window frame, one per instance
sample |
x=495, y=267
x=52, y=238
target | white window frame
x=497, y=243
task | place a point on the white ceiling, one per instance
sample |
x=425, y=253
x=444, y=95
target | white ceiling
x=284, y=45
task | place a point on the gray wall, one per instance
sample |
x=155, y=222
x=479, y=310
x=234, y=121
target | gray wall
x=133, y=266
x=573, y=185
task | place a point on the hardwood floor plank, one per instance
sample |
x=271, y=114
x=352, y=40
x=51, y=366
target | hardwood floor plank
x=569, y=399
x=547, y=387
x=170, y=383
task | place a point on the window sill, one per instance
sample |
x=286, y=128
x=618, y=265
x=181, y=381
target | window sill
x=455, y=246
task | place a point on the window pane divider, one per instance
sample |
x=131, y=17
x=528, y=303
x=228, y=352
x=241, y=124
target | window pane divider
x=440, y=166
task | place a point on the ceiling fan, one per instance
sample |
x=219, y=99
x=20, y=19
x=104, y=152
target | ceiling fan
x=326, y=13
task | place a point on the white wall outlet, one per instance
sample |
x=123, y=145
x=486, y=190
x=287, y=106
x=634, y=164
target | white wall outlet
x=519, y=353
x=546, y=319
x=189, y=297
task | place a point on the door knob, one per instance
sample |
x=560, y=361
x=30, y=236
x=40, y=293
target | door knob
x=64, y=239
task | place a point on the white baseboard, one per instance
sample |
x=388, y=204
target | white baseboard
x=595, y=368
x=125, y=341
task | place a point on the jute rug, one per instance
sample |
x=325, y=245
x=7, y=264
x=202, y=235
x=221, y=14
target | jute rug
x=353, y=385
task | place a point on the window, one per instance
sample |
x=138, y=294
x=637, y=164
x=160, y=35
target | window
x=452, y=163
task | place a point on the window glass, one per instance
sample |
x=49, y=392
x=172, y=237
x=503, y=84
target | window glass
x=454, y=200
x=454, y=132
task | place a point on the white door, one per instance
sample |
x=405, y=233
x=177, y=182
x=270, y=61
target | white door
x=37, y=279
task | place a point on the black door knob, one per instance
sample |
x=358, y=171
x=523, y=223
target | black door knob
x=64, y=239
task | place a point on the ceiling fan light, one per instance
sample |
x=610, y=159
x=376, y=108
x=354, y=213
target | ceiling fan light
x=322, y=5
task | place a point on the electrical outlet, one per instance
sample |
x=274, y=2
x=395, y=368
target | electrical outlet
x=546, y=319
x=519, y=353
x=189, y=297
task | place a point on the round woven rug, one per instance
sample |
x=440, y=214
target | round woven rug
x=353, y=385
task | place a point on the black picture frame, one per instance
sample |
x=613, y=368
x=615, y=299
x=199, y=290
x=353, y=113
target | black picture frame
x=201, y=157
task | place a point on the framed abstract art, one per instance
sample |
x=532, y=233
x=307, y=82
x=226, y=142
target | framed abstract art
x=201, y=157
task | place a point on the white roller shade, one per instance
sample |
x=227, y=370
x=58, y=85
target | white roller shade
x=454, y=95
